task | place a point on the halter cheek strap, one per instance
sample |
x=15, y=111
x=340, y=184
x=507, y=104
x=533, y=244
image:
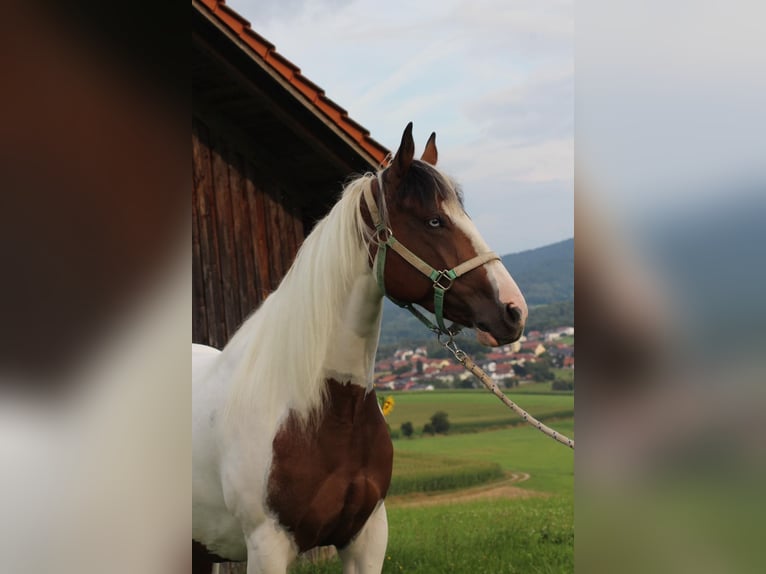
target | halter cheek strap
x=442, y=279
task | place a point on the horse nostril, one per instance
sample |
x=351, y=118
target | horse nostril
x=514, y=312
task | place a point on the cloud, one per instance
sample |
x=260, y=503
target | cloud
x=532, y=29
x=507, y=162
x=537, y=108
x=262, y=13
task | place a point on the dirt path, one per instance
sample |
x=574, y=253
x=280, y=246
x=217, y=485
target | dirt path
x=502, y=489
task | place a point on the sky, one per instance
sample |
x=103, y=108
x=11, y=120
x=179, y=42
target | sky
x=492, y=78
x=669, y=102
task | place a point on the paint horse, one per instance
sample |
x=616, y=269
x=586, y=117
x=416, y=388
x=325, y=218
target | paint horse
x=290, y=449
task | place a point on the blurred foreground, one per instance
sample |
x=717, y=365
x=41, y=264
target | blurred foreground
x=95, y=297
x=670, y=278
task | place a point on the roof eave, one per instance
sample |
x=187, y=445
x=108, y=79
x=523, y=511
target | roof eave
x=288, y=76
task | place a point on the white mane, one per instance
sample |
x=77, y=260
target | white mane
x=281, y=347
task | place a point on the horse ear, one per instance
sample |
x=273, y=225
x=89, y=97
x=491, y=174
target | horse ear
x=402, y=160
x=430, y=154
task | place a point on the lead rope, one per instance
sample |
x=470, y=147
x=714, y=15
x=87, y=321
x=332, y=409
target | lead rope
x=492, y=387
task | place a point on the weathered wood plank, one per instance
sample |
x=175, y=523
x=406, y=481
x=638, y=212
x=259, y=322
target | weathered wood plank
x=286, y=234
x=298, y=227
x=209, y=269
x=274, y=233
x=231, y=568
x=226, y=251
x=259, y=227
x=199, y=318
x=243, y=239
x=295, y=239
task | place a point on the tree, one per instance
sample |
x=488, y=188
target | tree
x=540, y=370
x=407, y=429
x=561, y=385
x=403, y=369
x=428, y=428
x=509, y=383
x=440, y=384
x=439, y=422
x=466, y=383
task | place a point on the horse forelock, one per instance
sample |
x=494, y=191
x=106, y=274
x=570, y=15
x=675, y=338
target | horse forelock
x=428, y=186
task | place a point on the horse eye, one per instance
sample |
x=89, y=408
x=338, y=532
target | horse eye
x=435, y=222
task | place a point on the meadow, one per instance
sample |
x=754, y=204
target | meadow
x=518, y=449
x=482, y=537
x=416, y=472
x=434, y=528
x=473, y=410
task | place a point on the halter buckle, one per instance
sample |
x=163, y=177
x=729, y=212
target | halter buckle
x=444, y=280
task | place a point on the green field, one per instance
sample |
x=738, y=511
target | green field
x=416, y=472
x=564, y=374
x=537, y=388
x=520, y=449
x=481, y=535
x=476, y=409
x=487, y=536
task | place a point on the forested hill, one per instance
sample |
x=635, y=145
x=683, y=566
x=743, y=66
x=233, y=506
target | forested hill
x=545, y=275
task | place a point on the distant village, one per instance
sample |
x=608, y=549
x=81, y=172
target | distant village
x=510, y=365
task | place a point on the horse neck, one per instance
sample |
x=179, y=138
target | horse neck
x=351, y=353
x=344, y=326
x=322, y=322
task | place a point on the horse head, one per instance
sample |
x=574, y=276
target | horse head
x=423, y=214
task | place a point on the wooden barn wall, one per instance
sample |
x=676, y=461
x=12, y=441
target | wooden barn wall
x=245, y=233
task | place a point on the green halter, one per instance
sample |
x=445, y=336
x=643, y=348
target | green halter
x=442, y=280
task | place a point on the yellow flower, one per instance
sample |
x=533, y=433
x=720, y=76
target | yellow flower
x=388, y=406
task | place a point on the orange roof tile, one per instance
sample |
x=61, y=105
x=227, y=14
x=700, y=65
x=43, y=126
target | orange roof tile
x=292, y=73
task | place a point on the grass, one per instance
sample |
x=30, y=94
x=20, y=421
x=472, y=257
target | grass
x=416, y=472
x=489, y=536
x=564, y=374
x=492, y=424
x=474, y=408
x=519, y=449
x=543, y=388
x=481, y=537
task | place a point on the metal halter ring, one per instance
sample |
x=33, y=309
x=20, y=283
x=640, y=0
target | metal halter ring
x=382, y=235
x=443, y=281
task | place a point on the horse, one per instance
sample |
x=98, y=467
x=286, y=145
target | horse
x=290, y=448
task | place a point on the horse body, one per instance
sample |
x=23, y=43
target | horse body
x=325, y=484
x=275, y=479
x=290, y=449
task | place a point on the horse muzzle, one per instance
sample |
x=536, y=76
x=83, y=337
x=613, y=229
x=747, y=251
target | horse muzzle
x=506, y=328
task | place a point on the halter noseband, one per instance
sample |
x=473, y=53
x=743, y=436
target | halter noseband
x=442, y=280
